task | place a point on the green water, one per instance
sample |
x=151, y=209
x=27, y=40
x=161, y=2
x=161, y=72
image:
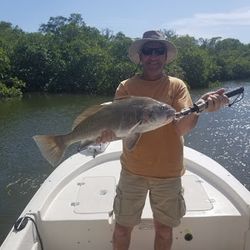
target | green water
x=224, y=136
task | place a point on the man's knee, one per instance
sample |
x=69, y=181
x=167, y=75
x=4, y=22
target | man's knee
x=163, y=231
x=122, y=231
x=121, y=237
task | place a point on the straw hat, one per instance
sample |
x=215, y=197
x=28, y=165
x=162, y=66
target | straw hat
x=151, y=36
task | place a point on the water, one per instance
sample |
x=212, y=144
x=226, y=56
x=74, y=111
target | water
x=224, y=136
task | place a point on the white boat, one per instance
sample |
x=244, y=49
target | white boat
x=73, y=208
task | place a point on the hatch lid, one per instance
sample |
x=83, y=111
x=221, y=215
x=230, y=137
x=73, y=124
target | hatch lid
x=195, y=195
x=95, y=195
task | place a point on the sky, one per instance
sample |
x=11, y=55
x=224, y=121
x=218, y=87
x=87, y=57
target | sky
x=197, y=18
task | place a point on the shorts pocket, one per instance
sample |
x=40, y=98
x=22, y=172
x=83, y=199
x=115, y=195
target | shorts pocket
x=182, y=205
x=117, y=205
x=127, y=207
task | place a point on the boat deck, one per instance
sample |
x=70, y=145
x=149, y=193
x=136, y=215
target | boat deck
x=85, y=205
x=90, y=196
x=73, y=207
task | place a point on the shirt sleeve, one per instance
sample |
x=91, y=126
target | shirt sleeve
x=182, y=98
x=121, y=90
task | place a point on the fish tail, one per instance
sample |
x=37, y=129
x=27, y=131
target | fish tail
x=52, y=147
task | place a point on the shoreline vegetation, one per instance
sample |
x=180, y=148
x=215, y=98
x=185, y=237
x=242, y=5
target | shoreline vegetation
x=67, y=56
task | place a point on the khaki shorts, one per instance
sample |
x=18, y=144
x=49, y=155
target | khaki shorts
x=165, y=195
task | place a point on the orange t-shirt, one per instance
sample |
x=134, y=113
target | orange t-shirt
x=158, y=153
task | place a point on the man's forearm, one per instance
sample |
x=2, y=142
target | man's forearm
x=185, y=124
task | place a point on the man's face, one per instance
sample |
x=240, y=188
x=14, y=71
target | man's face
x=153, y=57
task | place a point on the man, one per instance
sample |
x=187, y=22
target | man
x=155, y=164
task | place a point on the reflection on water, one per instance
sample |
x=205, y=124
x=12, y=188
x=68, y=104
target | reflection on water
x=224, y=136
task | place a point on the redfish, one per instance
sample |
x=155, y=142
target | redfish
x=127, y=117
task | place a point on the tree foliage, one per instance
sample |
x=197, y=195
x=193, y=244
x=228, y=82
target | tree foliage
x=66, y=55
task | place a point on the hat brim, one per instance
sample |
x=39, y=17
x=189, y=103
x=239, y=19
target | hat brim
x=134, y=49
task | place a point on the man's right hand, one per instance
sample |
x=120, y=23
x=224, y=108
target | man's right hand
x=215, y=100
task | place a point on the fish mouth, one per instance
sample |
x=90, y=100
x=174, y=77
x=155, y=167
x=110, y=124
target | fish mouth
x=170, y=111
x=169, y=119
x=170, y=115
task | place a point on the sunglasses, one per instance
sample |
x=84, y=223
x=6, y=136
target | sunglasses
x=157, y=51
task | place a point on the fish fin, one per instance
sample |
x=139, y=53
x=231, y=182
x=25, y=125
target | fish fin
x=84, y=144
x=86, y=113
x=106, y=103
x=133, y=137
x=133, y=129
x=132, y=140
x=52, y=147
x=118, y=98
